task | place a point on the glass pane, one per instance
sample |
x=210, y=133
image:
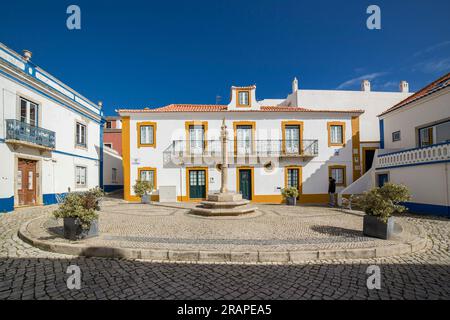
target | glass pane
x=196, y=138
x=243, y=98
x=19, y=179
x=23, y=110
x=443, y=132
x=336, y=134
x=292, y=142
x=30, y=180
x=33, y=114
x=244, y=139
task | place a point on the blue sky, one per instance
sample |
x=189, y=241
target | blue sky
x=151, y=53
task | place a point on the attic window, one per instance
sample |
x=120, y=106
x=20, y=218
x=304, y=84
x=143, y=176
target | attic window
x=243, y=98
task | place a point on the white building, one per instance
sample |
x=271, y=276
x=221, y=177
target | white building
x=415, y=149
x=50, y=135
x=299, y=141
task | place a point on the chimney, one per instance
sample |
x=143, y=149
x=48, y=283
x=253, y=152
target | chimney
x=404, y=86
x=100, y=104
x=295, y=85
x=365, y=85
x=27, y=55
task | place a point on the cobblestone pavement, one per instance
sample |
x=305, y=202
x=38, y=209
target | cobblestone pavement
x=29, y=273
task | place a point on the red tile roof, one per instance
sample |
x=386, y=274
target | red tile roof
x=221, y=108
x=435, y=86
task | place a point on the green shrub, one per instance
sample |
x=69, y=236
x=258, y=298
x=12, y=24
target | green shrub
x=383, y=202
x=142, y=187
x=81, y=205
x=289, y=192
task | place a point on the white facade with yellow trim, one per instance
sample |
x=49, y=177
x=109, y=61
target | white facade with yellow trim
x=269, y=148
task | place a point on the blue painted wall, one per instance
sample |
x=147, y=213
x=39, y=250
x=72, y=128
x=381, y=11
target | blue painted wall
x=6, y=204
x=381, y=134
x=428, y=209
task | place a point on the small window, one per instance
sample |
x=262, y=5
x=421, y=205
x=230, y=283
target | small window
x=28, y=112
x=338, y=174
x=382, y=179
x=114, y=175
x=336, y=133
x=80, y=137
x=109, y=145
x=108, y=125
x=395, y=136
x=80, y=176
x=147, y=134
x=148, y=175
x=243, y=98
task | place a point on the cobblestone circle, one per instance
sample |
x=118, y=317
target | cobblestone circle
x=29, y=273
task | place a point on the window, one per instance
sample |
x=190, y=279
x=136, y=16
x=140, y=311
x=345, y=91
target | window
x=395, y=136
x=243, y=98
x=80, y=136
x=336, y=133
x=114, y=175
x=80, y=176
x=382, y=179
x=109, y=145
x=293, y=178
x=244, y=139
x=338, y=174
x=292, y=135
x=108, y=125
x=28, y=112
x=147, y=134
x=437, y=133
x=196, y=139
x=148, y=174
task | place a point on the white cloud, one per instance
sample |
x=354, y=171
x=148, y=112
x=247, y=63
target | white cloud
x=432, y=48
x=433, y=66
x=357, y=80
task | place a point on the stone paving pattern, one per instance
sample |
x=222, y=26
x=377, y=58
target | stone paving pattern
x=271, y=228
x=29, y=273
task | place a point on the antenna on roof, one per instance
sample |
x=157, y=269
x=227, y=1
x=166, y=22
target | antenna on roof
x=218, y=99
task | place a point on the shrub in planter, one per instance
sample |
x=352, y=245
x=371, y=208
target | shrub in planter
x=290, y=194
x=79, y=211
x=143, y=189
x=379, y=204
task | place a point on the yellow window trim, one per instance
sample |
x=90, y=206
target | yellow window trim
x=146, y=123
x=187, y=124
x=155, y=179
x=344, y=184
x=238, y=105
x=300, y=182
x=252, y=175
x=188, y=170
x=336, y=123
x=283, y=133
x=244, y=123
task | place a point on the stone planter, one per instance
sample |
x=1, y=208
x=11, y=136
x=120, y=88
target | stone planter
x=145, y=198
x=373, y=227
x=74, y=231
x=291, y=201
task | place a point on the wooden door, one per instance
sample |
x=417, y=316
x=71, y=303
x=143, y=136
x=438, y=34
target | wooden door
x=197, y=184
x=245, y=183
x=26, y=182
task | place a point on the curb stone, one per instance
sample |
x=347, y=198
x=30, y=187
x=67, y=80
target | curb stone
x=77, y=249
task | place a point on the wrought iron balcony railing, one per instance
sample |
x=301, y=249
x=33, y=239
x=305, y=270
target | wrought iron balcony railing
x=259, y=148
x=18, y=131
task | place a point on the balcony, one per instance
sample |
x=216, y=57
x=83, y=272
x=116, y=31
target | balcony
x=21, y=133
x=259, y=150
x=417, y=156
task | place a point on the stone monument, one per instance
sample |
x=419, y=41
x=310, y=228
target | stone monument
x=224, y=203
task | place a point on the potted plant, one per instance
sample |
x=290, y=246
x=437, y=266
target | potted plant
x=379, y=204
x=79, y=211
x=290, y=194
x=143, y=189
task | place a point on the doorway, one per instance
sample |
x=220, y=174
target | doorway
x=197, y=184
x=26, y=182
x=368, y=155
x=245, y=183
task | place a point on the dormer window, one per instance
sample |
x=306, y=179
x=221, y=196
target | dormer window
x=243, y=98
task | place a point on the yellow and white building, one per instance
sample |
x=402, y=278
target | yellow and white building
x=273, y=143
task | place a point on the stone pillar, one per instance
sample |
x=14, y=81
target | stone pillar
x=224, y=171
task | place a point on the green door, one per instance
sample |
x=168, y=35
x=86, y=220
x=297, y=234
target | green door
x=245, y=183
x=292, y=177
x=197, y=184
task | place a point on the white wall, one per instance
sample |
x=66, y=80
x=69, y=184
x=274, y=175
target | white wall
x=171, y=126
x=111, y=159
x=417, y=114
